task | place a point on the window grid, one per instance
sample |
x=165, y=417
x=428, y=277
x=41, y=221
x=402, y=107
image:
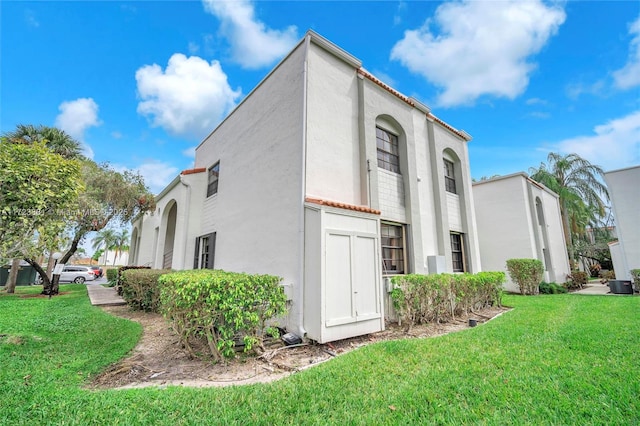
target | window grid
x=457, y=252
x=204, y=247
x=449, y=177
x=392, y=241
x=388, y=156
x=214, y=173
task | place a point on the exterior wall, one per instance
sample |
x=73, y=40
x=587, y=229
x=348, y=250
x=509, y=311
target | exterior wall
x=257, y=211
x=625, y=201
x=344, y=108
x=509, y=226
x=111, y=259
x=343, y=292
x=453, y=212
x=148, y=235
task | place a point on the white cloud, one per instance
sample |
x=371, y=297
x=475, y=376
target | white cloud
x=188, y=98
x=193, y=48
x=613, y=145
x=190, y=152
x=116, y=135
x=157, y=174
x=76, y=117
x=253, y=44
x=30, y=18
x=482, y=48
x=629, y=76
x=536, y=101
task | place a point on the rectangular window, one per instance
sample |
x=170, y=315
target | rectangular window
x=387, y=144
x=212, y=186
x=457, y=252
x=392, y=241
x=205, y=251
x=449, y=177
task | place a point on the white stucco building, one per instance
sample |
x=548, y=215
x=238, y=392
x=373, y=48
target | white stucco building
x=624, y=191
x=324, y=176
x=519, y=218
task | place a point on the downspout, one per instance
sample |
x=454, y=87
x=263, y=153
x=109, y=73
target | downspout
x=187, y=203
x=300, y=331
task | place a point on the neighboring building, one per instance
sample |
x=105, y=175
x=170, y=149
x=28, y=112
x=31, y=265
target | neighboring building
x=519, y=218
x=624, y=191
x=324, y=176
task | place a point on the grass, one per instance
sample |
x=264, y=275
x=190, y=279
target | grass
x=560, y=359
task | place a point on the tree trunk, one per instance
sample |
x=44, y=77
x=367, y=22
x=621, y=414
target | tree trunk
x=46, y=283
x=50, y=262
x=72, y=249
x=13, y=276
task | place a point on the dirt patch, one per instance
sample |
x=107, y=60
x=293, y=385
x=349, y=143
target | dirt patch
x=158, y=359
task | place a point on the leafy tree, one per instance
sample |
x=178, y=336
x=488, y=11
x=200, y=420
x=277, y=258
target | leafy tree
x=97, y=254
x=107, y=238
x=105, y=197
x=121, y=243
x=110, y=198
x=582, y=196
x=57, y=140
x=36, y=185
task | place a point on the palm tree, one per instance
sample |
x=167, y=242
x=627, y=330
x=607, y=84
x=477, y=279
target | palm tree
x=57, y=140
x=575, y=180
x=121, y=243
x=106, y=238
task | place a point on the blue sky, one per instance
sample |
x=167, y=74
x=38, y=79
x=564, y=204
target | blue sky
x=141, y=83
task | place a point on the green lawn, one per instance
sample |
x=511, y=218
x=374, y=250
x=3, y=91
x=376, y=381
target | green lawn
x=561, y=359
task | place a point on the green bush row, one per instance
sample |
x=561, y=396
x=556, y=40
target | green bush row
x=221, y=307
x=140, y=288
x=527, y=273
x=552, y=288
x=421, y=299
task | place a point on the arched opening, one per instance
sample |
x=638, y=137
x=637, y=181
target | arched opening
x=170, y=235
x=133, y=259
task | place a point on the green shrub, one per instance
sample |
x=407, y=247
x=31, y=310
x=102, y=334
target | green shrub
x=112, y=277
x=121, y=269
x=577, y=279
x=421, y=299
x=527, y=273
x=140, y=288
x=551, y=288
x=635, y=276
x=608, y=275
x=220, y=307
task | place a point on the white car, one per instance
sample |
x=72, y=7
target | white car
x=77, y=274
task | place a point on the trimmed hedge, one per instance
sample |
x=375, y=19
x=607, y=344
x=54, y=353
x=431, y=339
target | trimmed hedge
x=552, y=288
x=112, y=276
x=220, y=307
x=140, y=288
x=527, y=273
x=577, y=279
x=121, y=269
x=420, y=299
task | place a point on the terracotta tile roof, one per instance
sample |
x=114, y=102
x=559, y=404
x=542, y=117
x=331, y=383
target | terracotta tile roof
x=192, y=171
x=406, y=99
x=362, y=209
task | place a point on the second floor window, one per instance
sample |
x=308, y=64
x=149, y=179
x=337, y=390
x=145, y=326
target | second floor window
x=387, y=144
x=214, y=173
x=449, y=177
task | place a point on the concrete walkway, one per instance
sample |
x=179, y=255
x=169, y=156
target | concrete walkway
x=104, y=296
x=595, y=288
